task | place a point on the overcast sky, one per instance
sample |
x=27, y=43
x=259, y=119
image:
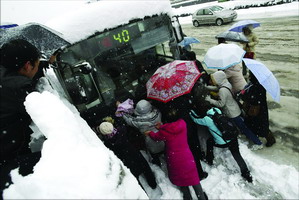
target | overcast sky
x=23, y=11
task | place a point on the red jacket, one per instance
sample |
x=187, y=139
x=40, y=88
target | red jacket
x=181, y=166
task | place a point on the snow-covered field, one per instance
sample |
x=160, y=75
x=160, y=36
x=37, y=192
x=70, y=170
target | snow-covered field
x=75, y=164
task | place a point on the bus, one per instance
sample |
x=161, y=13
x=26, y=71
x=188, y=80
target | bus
x=114, y=64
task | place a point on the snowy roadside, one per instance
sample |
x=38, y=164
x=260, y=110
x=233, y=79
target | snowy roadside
x=287, y=9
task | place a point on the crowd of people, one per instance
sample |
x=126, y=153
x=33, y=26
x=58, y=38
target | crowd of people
x=172, y=128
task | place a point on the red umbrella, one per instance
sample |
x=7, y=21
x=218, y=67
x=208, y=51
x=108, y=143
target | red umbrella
x=172, y=80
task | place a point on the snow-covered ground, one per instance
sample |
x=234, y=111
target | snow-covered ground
x=75, y=163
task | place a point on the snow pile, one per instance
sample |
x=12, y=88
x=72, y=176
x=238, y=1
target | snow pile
x=95, y=17
x=74, y=162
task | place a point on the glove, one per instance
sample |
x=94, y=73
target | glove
x=44, y=64
x=208, y=98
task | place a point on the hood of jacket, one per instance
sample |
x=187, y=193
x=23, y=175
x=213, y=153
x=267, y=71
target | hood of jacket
x=143, y=107
x=220, y=79
x=235, y=68
x=174, y=128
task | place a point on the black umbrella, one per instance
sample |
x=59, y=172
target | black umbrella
x=44, y=38
x=232, y=36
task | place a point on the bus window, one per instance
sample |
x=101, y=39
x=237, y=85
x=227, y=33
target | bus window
x=164, y=50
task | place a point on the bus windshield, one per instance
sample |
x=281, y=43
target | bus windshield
x=122, y=60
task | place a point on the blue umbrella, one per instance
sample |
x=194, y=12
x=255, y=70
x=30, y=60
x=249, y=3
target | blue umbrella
x=188, y=40
x=237, y=27
x=5, y=26
x=265, y=77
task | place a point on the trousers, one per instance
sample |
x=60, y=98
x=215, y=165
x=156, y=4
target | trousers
x=197, y=189
x=233, y=146
x=246, y=131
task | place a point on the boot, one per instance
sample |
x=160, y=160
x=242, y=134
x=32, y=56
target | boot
x=247, y=176
x=151, y=180
x=270, y=139
x=206, y=196
x=209, y=159
x=203, y=175
x=156, y=160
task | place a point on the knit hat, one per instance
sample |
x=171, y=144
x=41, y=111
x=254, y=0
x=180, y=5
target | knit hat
x=143, y=107
x=105, y=128
x=15, y=53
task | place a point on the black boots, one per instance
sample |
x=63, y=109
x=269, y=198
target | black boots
x=203, y=175
x=156, y=159
x=247, y=176
x=270, y=139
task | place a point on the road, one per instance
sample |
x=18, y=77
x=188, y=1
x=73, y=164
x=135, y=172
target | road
x=278, y=49
x=279, y=38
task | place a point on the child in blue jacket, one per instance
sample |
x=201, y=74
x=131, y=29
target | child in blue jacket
x=218, y=141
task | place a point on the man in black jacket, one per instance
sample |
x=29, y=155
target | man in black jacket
x=19, y=64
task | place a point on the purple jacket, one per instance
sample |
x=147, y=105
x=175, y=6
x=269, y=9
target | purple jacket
x=181, y=166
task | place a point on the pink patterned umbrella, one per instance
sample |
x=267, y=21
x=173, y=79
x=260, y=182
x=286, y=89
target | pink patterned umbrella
x=172, y=80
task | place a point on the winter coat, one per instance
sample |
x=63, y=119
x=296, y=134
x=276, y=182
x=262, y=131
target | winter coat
x=226, y=100
x=14, y=127
x=182, y=105
x=253, y=41
x=236, y=78
x=255, y=95
x=123, y=149
x=145, y=119
x=181, y=166
x=207, y=121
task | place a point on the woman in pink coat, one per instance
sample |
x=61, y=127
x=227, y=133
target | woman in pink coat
x=181, y=166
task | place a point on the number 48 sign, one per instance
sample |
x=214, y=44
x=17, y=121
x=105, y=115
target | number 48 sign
x=123, y=36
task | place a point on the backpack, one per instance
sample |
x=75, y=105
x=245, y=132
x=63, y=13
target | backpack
x=225, y=125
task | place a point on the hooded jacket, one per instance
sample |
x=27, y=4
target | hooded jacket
x=253, y=41
x=145, y=119
x=207, y=121
x=235, y=77
x=181, y=166
x=14, y=120
x=226, y=101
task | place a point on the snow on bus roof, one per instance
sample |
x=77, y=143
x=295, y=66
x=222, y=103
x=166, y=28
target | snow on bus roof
x=98, y=16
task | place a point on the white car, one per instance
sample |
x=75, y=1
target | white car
x=213, y=15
